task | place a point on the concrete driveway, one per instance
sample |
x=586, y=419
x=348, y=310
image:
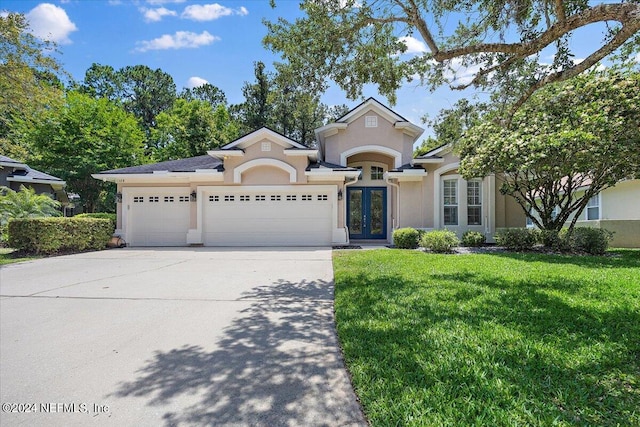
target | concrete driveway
x=174, y=337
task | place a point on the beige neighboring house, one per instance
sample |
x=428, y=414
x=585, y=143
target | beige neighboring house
x=616, y=209
x=264, y=189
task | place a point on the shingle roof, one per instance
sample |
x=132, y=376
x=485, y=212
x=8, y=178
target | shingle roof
x=182, y=165
x=320, y=164
x=24, y=171
x=408, y=166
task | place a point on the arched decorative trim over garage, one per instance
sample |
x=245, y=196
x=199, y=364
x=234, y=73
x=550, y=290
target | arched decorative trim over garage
x=397, y=156
x=237, y=173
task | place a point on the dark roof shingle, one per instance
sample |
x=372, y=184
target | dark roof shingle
x=181, y=165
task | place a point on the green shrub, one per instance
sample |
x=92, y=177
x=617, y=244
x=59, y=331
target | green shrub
x=103, y=215
x=439, y=240
x=52, y=235
x=594, y=241
x=406, y=238
x=516, y=239
x=473, y=238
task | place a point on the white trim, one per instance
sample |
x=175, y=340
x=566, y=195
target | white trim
x=436, y=191
x=15, y=165
x=27, y=180
x=425, y=161
x=169, y=178
x=409, y=128
x=300, y=152
x=405, y=177
x=259, y=135
x=438, y=150
x=222, y=154
x=397, y=156
x=377, y=107
x=237, y=173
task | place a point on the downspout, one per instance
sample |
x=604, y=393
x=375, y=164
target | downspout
x=346, y=220
x=396, y=220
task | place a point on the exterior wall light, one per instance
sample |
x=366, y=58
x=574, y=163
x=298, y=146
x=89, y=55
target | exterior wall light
x=194, y=196
x=340, y=194
x=118, y=197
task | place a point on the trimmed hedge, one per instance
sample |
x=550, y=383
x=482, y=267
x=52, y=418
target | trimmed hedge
x=594, y=241
x=52, y=235
x=517, y=239
x=439, y=241
x=473, y=238
x=406, y=238
x=103, y=215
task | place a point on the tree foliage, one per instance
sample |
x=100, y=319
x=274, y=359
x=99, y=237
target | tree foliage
x=85, y=136
x=29, y=80
x=578, y=137
x=206, y=92
x=190, y=128
x=387, y=42
x=142, y=91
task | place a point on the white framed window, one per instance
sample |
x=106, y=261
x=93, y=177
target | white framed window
x=291, y=197
x=261, y=198
x=307, y=197
x=371, y=121
x=593, y=208
x=266, y=146
x=183, y=198
x=214, y=198
x=229, y=198
x=168, y=199
x=138, y=199
x=377, y=173
x=450, y=201
x=275, y=197
x=323, y=197
x=474, y=203
x=154, y=199
x=245, y=198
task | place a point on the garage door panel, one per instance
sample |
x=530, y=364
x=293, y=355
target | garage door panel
x=242, y=217
x=159, y=217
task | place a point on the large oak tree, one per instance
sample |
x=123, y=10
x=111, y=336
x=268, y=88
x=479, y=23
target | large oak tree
x=500, y=43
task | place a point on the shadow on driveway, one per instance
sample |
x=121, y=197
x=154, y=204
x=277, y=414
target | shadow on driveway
x=277, y=364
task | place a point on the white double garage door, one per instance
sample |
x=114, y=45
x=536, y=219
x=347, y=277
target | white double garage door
x=232, y=216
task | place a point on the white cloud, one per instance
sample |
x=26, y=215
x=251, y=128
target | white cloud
x=196, y=81
x=414, y=46
x=158, y=2
x=50, y=22
x=156, y=15
x=211, y=12
x=638, y=58
x=460, y=74
x=179, y=40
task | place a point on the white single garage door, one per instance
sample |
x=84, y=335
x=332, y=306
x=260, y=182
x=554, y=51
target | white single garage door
x=268, y=216
x=158, y=216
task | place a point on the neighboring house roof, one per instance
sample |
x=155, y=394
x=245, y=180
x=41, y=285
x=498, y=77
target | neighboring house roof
x=406, y=167
x=24, y=173
x=191, y=164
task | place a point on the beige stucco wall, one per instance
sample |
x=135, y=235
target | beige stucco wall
x=357, y=135
x=254, y=152
x=412, y=204
x=621, y=202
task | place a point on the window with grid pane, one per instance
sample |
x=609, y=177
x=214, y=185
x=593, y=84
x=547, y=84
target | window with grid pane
x=593, y=208
x=377, y=173
x=474, y=203
x=450, y=202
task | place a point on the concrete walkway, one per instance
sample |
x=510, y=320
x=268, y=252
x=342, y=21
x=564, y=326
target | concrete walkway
x=173, y=337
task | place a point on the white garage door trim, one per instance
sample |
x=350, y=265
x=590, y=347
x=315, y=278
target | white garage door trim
x=180, y=202
x=319, y=238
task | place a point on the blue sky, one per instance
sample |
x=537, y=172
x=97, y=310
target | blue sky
x=194, y=41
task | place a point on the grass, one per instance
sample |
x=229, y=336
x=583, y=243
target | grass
x=491, y=339
x=9, y=256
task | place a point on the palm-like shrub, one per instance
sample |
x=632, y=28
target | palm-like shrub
x=24, y=204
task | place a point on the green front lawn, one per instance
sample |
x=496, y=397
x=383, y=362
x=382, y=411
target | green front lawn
x=491, y=339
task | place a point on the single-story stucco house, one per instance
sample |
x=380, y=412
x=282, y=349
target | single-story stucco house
x=264, y=189
x=14, y=174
